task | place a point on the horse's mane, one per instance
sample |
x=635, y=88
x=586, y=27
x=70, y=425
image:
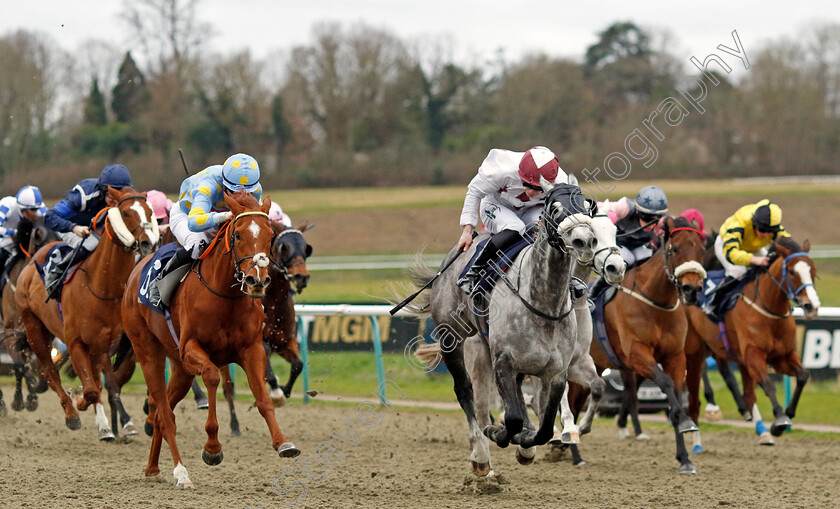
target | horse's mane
x=789, y=243
x=245, y=199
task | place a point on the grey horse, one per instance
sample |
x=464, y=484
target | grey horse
x=531, y=325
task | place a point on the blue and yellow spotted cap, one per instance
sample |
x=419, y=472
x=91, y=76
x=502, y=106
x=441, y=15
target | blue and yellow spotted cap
x=241, y=173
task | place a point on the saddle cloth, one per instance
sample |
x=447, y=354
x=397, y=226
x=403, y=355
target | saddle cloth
x=713, y=279
x=150, y=271
x=54, y=255
x=491, y=275
x=600, y=301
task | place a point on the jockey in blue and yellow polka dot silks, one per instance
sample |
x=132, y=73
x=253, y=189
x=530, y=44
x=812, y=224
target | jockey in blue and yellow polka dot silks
x=202, y=195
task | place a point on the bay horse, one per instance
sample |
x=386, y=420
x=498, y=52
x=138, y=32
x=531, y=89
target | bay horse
x=645, y=327
x=762, y=331
x=216, y=320
x=88, y=319
x=531, y=327
x=28, y=239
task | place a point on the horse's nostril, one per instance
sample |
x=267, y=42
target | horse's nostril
x=807, y=307
x=578, y=244
x=594, y=243
x=250, y=280
x=267, y=281
x=611, y=269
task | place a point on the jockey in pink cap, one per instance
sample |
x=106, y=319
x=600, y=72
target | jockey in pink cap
x=277, y=215
x=160, y=206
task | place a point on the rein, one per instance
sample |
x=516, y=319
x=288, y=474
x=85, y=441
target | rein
x=109, y=299
x=784, y=285
x=230, y=245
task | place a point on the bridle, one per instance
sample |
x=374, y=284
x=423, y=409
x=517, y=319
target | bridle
x=785, y=285
x=146, y=225
x=612, y=250
x=287, y=264
x=685, y=267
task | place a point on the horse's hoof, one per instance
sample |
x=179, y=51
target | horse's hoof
x=129, y=429
x=235, y=433
x=42, y=387
x=106, y=434
x=288, y=450
x=277, y=397
x=688, y=468
x=202, y=404
x=480, y=469
x=642, y=437
x=522, y=455
x=765, y=439
x=149, y=429
x=747, y=416
x=74, y=423
x=623, y=433
x=780, y=425
x=569, y=437
x=17, y=403
x=491, y=430
x=212, y=459
x=687, y=426
x=3, y=411
x=146, y=406
x=32, y=403
x=698, y=449
x=713, y=413
x=184, y=484
x=581, y=463
x=556, y=439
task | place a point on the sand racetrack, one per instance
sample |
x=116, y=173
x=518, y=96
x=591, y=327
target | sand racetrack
x=412, y=458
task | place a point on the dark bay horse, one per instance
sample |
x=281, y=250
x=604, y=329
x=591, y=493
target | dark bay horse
x=646, y=328
x=216, y=320
x=89, y=318
x=762, y=330
x=28, y=239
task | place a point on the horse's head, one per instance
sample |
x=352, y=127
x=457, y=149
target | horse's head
x=41, y=234
x=132, y=220
x=683, y=253
x=798, y=273
x=607, y=260
x=568, y=220
x=249, y=241
x=289, y=252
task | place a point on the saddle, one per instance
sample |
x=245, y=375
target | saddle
x=727, y=301
x=499, y=264
x=600, y=301
x=57, y=253
x=157, y=295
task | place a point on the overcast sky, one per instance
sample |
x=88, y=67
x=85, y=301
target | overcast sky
x=478, y=28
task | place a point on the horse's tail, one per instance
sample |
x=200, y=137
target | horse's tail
x=428, y=353
x=122, y=351
x=420, y=275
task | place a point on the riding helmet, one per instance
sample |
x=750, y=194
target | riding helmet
x=652, y=200
x=116, y=176
x=241, y=173
x=767, y=216
x=538, y=162
x=29, y=197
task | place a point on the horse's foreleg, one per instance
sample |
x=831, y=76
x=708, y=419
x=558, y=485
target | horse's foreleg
x=732, y=384
x=757, y=367
x=40, y=342
x=794, y=367
x=556, y=388
x=708, y=390
x=179, y=386
x=695, y=370
x=462, y=386
x=292, y=354
x=253, y=362
x=277, y=395
x=197, y=362
x=584, y=374
x=17, y=401
x=200, y=398
x=230, y=395
x=515, y=412
x=671, y=382
x=630, y=406
x=477, y=362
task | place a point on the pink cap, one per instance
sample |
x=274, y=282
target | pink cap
x=160, y=204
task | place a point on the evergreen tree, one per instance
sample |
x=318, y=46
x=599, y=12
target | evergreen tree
x=95, y=113
x=130, y=95
x=282, y=127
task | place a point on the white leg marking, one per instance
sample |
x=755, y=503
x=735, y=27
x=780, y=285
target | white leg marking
x=182, y=478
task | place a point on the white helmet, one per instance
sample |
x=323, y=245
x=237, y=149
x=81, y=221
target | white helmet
x=29, y=197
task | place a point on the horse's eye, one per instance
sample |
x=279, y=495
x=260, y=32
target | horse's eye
x=236, y=235
x=125, y=214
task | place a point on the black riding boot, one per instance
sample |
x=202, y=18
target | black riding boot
x=491, y=252
x=160, y=289
x=53, y=279
x=715, y=298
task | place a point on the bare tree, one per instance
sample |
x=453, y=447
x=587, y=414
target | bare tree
x=168, y=31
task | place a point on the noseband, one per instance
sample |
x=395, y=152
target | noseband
x=238, y=274
x=785, y=284
x=135, y=245
x=613, y=250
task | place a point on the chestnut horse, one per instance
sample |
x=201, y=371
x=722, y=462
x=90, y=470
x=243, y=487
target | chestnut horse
x=216, y=320
x=646, y=328
x=89, y=317
x=762, y=331
x=289, y=252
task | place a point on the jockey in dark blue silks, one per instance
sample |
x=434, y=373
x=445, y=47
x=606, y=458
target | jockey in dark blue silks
x=70, y=217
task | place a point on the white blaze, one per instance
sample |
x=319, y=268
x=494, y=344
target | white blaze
x=804, y=270
x=254, y=228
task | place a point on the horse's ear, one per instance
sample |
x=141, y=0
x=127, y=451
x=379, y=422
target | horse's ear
x=546, y=185
x=667, y=224
x=266, y=204
x=114, y=194
x=695, y=222
x=233, y=204
x=308, y=251
x=572, y=179
x=806, y=246
x=781, y=249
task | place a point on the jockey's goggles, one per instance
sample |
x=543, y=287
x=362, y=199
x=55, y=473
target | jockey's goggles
x=528, y=185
